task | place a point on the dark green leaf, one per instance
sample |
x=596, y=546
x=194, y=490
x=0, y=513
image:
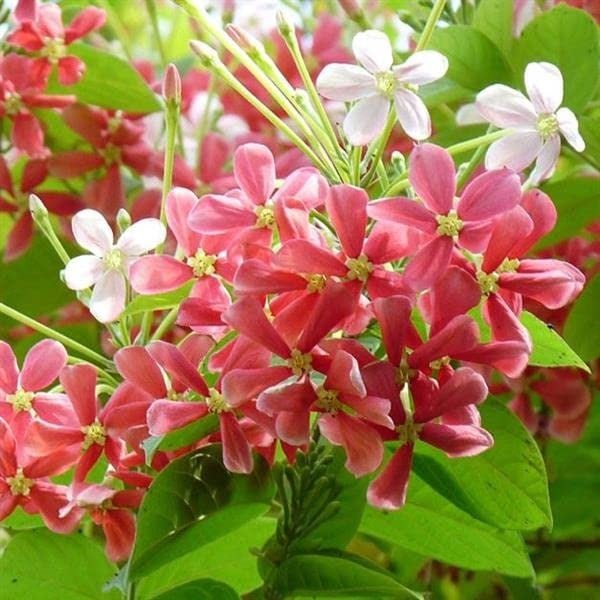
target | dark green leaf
x=336, y=575
x=192, y=502
x=567, y=38
x=166, y=301
x=201, y=589
x=39, y=565
x=109, y=82
x=549, y=349
x=505, y=486
x=475, y=61
x=582, y=328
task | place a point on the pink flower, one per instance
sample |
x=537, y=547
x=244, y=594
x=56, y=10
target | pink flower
x=107, y=268
x=41, y=32
x=534, y=123
x=377, y=83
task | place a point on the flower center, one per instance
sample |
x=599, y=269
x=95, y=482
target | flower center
x=94, y=434
x=359, y=268
x=408, y=432
x=177, y=396
x=12, y=104
x=488, y=282
x=386, y=83
x=316, y=283
x=449, y=224
x=19, y=484
x=111, y=154
x=54, y=49
x=21, y=400
x=202, y=264
x=508, y=265
x=328, y=400
x=216, y=402
x=265, y=217
x=547, y=126
x=299, y=363
x=113, y=259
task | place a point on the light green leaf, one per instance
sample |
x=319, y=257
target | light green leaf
x=567, y=38
x=430, y=525
x=166, y=301
x=109, y=82
x=505, y=486
x=39, y=565
x=549, y=349
x=582, y=328
x=336, y=575
x=475, y=61
x=494, y=19
x=192, y=502
x=201, y=589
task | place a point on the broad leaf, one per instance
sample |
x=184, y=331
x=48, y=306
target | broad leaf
x=582, y=328
x=567, y=38
x=166, y=301
x=335, y=575
x=505, y=486
x=201, y=589
x=109, y=82
x=39, y=565
x=430, y=525
x=475, y=61
x=549, y=349
x=494, y=18
x=192, y=502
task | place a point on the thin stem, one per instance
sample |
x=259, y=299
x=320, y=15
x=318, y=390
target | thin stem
x=484, y=140
x=380, y=148
x=165, y=324
x=434, y=17
x=55, y=335
x=172, y=117
x=468, y=169
x=151, y=8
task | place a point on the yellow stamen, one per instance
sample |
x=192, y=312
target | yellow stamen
x=21, y=400
x=202, y=264
x=265, y=217
x=359, y=268
x=328, y=400
x=19, y=484
x=299, y=363
x=94, y=434
x=449, y=224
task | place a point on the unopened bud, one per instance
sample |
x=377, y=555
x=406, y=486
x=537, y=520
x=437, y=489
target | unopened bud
x=171, y=85
x=285, y=25
x=36, y=207
x=123, y=220
x=351, y=8
x=208, y=56
x=398, y=162
x=244, y=40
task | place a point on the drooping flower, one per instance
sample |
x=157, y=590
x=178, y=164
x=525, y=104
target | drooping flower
x=535, y=123
x=377, y=83
x=107, y=268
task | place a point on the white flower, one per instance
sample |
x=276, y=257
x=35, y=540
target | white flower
x=535, y=123
x=108, y=265
x=377, y=83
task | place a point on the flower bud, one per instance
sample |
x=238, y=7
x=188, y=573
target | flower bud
x=171, y=85
x=244, y=40
x=123, y=220
x=36, y=207
x=208, y=56
x=285, y=25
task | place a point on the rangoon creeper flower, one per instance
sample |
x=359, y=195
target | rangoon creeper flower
x=107, y=268
x=376, y=83
x=535, y=123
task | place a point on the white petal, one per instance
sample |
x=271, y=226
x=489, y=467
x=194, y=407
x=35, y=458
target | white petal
x=366, y=119
x=546, y=162
x=82, y=272
x=412, y=114
x=108, y=297
x=544, y=84
x=516, y=151
x=373, y=50
x=141, y=237
x=345, y=82
x=468, y=114
x=92, y=231
x=569, y=127
x=422, y=67
x=505, y=107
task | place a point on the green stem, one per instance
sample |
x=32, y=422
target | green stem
x=151, y=8
x=380, y=148
x=172, y=117
x=55, y=335
x=468, y=169
x=434, y=17
x=165, y=324
x=482, y=140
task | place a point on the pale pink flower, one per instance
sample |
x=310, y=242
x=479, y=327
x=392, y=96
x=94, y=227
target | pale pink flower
x=535, y=123
x=378, y=82
x=107, y=268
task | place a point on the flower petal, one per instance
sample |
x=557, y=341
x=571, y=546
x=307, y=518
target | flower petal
x=158, y=274
x=546, y=160
x=516, y=151
x=42, y=365
x=108, y=297
x=254, y=169
x=569, y=127
x=388, y=491
x=347, y=208
x=9, y=370
x=366, y=119
x=504, y=107
x=544, y=84
x=373, y=50
x=345, y=83
x=421, y=68
x=141, y=237
x=79, y=383
x=83, y=271
x=92, y=231
x=412, y=114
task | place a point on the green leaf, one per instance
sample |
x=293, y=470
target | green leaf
x=494, y=19
x=192, y=502
x=109, y=82
x=179, y=438
x=549, y=349
x=430, y=525
x=475, y=61
x=21, y=520
x=201, y=589
x=567, y=38
x=228, y=559
x=577, y=202
x=336, y=575
x=39, y=565
x=582, y=328
x=166, y=301
x=505, y=486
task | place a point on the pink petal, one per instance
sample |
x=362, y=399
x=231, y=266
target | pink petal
x=179, y=204
x=240, y=385
x=429, y=263
x=504, y=323
x=89, y=19
x=505, y=107
x=108, y=298
x=371, y=408
x=569, y=127
x=457, y=440
x=135, y=364
x=344, y=375
x=43, y=438
x=220, y=214
x=293, y=398
x=165, y=416
x=421, y=67
x=405, y=211
x=388, y=490
x=83, y=271
x=544, y=84
x=347, y=209
x=119, y=529
x=141, y=237
x=70, y=70
x=237, y=455
x=515, y=151
x=542, y=211
x=48, y=499
x=293, y=428
x=92, y=232
x=79, y=383
x=373, y=50
x=28, y=135
x=302, y=256
x=157, y=274
x=19, y=238
x=254, y=169
x=9, y=370
x=255, y=277
x=366, y=119
x=42, y=365
x=412, y=114
x=546, y=160
x=393, y=315
x=433, y=177
x=345, y=83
